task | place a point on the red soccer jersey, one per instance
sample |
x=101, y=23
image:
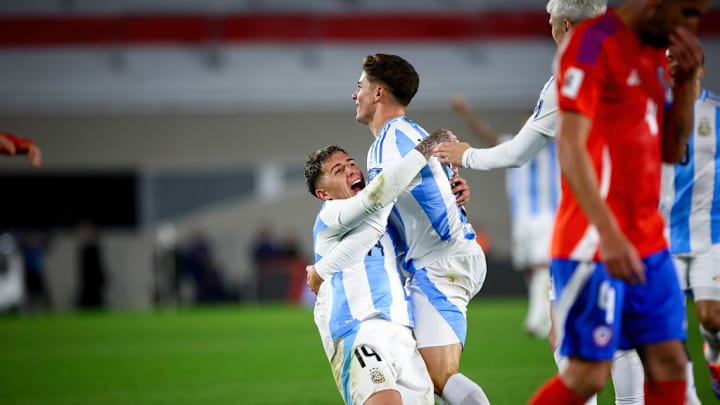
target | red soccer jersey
x=608, y=75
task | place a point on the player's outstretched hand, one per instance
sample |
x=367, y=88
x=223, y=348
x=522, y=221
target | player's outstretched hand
x=427, y=145
x=451, y=152
x=621, y=259
x=313, y=279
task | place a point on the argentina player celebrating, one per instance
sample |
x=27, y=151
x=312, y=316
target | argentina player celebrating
x=362, y=313
x=446, y=264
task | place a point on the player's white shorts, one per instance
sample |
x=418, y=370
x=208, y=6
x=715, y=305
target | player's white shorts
x=700, y=272
x=531, y=241
x=440, y=294
x=381, y=355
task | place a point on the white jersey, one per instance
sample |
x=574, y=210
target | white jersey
x=691, y=188
x=426, y=215
x=534, y=188
x=372, y=286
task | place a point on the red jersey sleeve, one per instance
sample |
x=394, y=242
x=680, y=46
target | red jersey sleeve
x=580, y=76
x=22, y=145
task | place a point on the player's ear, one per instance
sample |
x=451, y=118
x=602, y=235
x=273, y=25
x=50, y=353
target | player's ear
x=321, y=194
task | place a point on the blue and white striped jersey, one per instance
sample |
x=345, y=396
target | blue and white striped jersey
x=533, y=189
x=691, y=188
x=426, y=216
x=363, y=280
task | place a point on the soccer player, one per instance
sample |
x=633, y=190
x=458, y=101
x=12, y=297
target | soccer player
x=690, y=195
x=14, y=145
x=534, y=144
x=610, y=266
x=533, y=150
x=363, y=313
x=446, y=264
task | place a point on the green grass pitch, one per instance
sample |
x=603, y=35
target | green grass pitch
x=240, y=355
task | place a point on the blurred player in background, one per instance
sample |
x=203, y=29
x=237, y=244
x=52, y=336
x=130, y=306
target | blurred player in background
x=533, y=150
x=363, y=313
x=14, y=145
x=691, y=194
x=611, y=269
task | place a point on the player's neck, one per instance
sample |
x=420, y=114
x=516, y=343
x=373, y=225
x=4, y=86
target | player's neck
x=385, y=113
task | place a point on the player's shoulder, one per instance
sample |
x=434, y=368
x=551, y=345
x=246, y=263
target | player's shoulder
x=589, y=38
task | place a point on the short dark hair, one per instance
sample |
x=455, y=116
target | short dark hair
x=394, y=72
x=313, y=165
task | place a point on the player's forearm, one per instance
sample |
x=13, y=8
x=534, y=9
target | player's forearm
x=513, y=153
x=383, y=190
x=678, y=121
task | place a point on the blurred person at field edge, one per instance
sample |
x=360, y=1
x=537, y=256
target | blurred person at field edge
x=204, y=269
x=34, y=246
x=689, y=200
x=263, y=246
x=533, y=149
x=614, y=277
x=362, y=312
x=14, y=145
x=92, y=267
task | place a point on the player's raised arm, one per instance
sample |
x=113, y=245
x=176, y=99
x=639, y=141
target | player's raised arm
x=478, y=126
x=512, y=153
x=386, y=187
x=688, y=57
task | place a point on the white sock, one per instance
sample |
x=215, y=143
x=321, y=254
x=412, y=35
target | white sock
x=561, y=363
x=713, y=345
x=538, y=316
x=691, y=397
x=460, y=390
x=628, y=378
